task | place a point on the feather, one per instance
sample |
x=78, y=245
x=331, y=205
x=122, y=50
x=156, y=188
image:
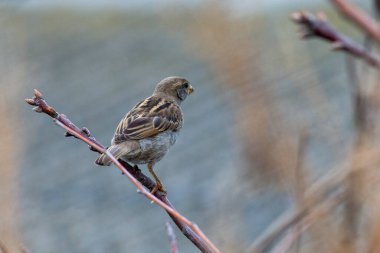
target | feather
x=149, y=118
x=118, y=151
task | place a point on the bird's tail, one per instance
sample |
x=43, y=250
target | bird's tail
x=119, y=150
x=104, y=160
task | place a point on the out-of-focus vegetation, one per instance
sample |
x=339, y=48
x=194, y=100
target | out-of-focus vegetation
x=236, y=166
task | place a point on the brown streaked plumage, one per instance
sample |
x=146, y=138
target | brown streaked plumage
x=151, y=127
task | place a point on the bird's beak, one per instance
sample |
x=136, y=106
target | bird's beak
x=190, y=89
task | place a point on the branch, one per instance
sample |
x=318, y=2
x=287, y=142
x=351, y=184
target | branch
x=321, y=191
x=359, y=18
x=319, y=27
x=293, y=219
x=300, y=183
x=189, y=229
x=315, y=215
x=324, y=190
x=172, y=237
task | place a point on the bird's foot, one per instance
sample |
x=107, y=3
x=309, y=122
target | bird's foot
x=158, y=187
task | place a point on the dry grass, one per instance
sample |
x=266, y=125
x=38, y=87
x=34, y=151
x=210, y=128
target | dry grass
x=9, y=234
x=350, y=222
x=11, y=80
x=233, y=53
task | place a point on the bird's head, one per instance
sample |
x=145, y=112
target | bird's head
x=174, y=87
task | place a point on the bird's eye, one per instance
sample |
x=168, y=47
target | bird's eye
x=186, y=85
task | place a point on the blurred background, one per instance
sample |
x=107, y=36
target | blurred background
x=258, y=87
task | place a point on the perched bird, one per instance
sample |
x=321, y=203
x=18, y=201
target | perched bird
x=151, y=127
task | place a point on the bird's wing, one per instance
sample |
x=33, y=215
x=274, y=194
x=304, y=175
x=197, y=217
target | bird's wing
x=148, y=118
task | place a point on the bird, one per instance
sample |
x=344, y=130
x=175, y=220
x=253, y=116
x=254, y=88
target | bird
x=145, y=134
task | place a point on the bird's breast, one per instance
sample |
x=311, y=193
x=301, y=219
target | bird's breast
x=153, y=149
x=162, y=141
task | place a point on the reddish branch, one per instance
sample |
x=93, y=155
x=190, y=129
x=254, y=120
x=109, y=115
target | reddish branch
x=189, y=229
x=359, y=18
x=318, y=27
x=172, y=238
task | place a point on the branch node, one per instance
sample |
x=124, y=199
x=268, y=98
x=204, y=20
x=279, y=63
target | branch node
x=296, y=16
x=337, y=45
x=135, y=167
x=37, y=109
x=92, y=148
x=30, y=101
x=317, y=26
x=86, y=131
x=305, y=33
x=37, y=94
x=321, y=16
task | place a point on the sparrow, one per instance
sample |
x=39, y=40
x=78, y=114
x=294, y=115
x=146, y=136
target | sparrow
x=151, y=127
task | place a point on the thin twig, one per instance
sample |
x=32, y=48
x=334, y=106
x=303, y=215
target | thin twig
x=315, y=215
x=291, y=238
x=320, y=191
x=172, y=237
x=319, y=27
x=326, y=188
x=189, y=229
x=299, y=178
x=292, y=219
x=359, y=18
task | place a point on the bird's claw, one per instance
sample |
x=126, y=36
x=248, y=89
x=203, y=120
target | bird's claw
x=158, y=187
